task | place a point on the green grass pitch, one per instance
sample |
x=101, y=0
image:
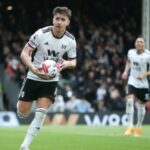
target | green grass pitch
x=75, y=138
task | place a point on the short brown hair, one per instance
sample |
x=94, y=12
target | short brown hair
x=62, y=10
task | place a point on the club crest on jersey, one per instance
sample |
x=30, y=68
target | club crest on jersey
x=63, y=46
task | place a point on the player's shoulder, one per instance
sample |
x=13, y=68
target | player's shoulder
x=132, y=51
x=147, y=51
x=69, y=35
x=44, y=30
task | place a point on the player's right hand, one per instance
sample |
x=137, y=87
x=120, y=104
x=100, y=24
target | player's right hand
x=141, y=76
x=125, y=75
x=39, y=72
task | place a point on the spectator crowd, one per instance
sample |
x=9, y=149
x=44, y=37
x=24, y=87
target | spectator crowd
x=102, y=46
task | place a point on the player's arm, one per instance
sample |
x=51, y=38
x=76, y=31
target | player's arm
x=70, y=64
x=25, y=57
x=146, y=74
x=126, y=71
x=141, y=76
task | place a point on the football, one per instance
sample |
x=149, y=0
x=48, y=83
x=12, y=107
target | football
x=50, y=68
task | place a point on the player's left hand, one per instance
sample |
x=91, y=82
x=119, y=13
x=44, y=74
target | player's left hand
x=63, y=64
x=141, y=76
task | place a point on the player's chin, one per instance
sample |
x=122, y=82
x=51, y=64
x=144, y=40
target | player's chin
x=58, y=28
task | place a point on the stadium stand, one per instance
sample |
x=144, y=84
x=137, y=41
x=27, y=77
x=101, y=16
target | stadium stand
x=103, y=39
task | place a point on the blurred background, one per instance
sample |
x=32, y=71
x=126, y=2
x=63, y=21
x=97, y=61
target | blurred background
x=104, y=29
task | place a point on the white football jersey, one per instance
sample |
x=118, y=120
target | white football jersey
x=47, y=46
x=139, y=64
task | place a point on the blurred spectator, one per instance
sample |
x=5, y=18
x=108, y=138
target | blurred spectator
x=101, y=92
x=116, y=102
x=148, y=106
x=59, y=104
x=102, y=106
x=71, y=104
x=101, y=46
x=83, y=106
x=1, y=97
x=90, y=87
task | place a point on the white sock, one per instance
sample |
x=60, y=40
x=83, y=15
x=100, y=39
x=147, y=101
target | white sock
x=130, y=112
x=140, y=114
x=35, y=126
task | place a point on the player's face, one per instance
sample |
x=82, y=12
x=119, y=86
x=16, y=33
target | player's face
x=139, y=44
x=60, y=22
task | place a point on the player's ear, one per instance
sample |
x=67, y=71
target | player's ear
x=68, y=22
x=53, y=20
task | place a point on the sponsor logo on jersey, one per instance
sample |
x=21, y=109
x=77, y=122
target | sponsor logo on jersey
x=46, y=43
x=53, y=53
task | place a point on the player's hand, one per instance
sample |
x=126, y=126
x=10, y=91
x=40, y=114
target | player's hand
x=39, y=72
x=141, y=76
x=125, y=75
x=63, y=64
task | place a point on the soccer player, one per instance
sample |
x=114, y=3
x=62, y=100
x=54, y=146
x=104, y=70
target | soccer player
x=138, y=63
x=50, y=42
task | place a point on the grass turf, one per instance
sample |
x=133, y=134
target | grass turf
x=75, y=138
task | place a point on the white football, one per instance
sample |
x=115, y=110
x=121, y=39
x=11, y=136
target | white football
x=50, y=68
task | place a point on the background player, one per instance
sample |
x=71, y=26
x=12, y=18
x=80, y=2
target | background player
x=138, y=63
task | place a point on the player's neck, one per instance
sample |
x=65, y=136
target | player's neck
x=57, y=34
x=140, y=51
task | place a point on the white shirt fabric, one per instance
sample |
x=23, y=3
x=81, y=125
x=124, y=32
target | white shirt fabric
x=47, y=46
x=139, y=64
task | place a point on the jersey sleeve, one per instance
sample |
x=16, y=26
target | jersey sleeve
x=149, y=61
x=34, y=40
x=72, y=52
x=128, y=55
